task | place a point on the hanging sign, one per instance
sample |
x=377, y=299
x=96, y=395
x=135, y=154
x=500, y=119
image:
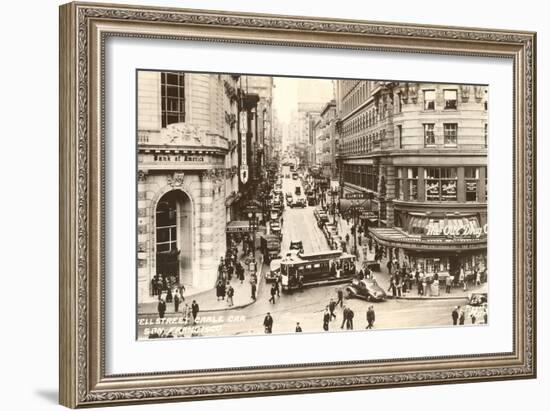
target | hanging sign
x=244, y=173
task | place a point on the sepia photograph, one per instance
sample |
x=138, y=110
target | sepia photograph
x=285, y=205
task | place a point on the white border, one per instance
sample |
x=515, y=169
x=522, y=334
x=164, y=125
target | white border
x=126, y=355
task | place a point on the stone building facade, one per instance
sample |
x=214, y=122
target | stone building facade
x=187, y=167
x=420, y=152
x=326, y=140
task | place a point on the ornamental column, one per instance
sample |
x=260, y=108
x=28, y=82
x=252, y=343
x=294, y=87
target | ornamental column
x=145, y=250
x=207, y=263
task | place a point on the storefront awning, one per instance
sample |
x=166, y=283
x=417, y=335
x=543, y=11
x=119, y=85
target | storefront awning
x=238, y=227
x=395, y=237
x=363, y=205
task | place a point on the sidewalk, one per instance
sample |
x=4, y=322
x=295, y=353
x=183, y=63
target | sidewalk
x=383, y=278
x=207, y=300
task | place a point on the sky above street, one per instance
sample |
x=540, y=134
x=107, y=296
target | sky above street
x=290, y=90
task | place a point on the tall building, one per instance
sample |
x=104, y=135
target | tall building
x=326, y=140
x=263, y=87
x=187, y=168
x=419, y=151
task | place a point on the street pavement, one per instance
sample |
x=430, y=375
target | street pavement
x=246, y=318
x=307, y=308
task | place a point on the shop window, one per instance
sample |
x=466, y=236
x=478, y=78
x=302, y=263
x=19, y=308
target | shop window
x=412, y=183
x=429, y=99
x=400, y=184
x=450, y=134
x=441, y=184
x=450, y=97
x=172, y=98
x=471, y=180
x=429, y=136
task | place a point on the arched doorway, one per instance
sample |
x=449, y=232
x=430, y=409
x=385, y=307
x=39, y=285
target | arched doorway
x=173, y=238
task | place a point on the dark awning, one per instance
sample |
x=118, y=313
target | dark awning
x=238, y=227
x=364, y=205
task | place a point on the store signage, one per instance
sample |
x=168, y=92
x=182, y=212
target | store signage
x=244, y=174
x=179, y=158
x=355, y=196
x=469, y=230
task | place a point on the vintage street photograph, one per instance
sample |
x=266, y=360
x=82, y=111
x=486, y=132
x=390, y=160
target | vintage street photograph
x=286, y=205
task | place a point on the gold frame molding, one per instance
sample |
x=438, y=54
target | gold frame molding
x=84, y=27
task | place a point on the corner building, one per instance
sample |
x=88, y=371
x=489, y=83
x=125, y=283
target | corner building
x=187, y=166
x=420, y=151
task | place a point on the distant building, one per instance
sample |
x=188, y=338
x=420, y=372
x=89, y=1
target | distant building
x=420, y=152
x=326, y=140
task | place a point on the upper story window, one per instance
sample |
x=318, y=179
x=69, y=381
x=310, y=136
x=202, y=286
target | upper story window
x=450, y=97
x=485, y=135
x=450, y=134
x=399, y=102
x=400, y=136
x=172, y=87
x=429, y=135
x=429, y=99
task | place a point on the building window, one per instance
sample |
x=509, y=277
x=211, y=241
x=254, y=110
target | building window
x=429, y=136
x=407, y=183
x=412, y=183
x=173, y=98
x=399, y=103
x=429, y=99
x=440, y=184
x=400, y=136
x=166, y=227
x=485, y=135
x=372, y=178
x=450, y=97
x=400, y=184
x=449, y=134
x=486, y=184
x=485, y=103
x=471, y=180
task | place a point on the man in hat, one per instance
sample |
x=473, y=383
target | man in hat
x=455, y=315
x=268, y=323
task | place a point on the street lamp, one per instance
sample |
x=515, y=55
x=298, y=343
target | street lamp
x=253, y=225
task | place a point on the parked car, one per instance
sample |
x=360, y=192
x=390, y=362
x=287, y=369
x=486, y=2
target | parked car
x=476, y=307
x=275, y=227
x=367, y=289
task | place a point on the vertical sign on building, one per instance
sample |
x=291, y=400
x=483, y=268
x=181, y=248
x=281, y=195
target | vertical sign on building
x=243, y=128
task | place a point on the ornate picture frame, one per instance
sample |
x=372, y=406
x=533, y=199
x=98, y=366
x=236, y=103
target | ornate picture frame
x=84, y=28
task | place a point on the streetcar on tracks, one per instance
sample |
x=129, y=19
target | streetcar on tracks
x=322, y=268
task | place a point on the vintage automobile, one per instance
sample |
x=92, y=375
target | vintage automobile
x=274, y=270
x=477, y=299
x=320, y=216
x=296, y=245
x=275, y=227
x=274, y=214
x=288, y=198
x=476, y=309
x=367, y=289
x=298, y=202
